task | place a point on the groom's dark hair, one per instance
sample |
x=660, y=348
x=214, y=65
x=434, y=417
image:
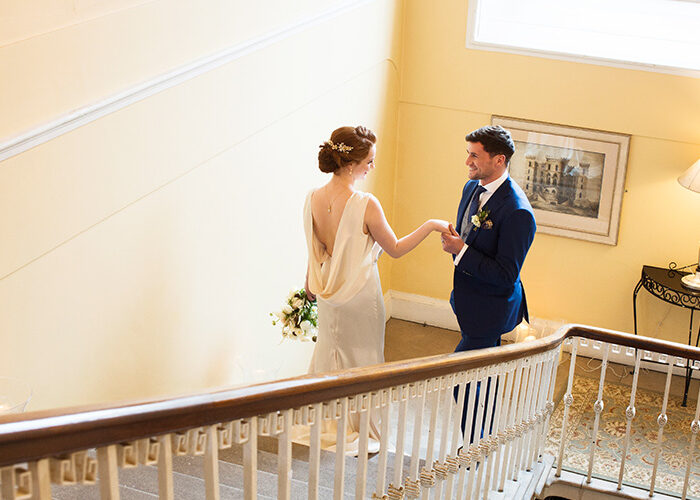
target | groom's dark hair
x=495, y=139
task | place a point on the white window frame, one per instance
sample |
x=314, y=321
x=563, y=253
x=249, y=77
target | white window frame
x=471, y=43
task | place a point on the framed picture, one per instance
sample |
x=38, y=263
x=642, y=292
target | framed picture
x=573, y=177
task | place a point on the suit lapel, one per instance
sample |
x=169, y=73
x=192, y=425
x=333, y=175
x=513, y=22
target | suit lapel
x=493, y=204
x=463, y=205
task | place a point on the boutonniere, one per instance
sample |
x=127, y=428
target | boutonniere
x=480, y=219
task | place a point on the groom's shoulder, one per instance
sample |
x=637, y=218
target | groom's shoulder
x=521, y=199
x=468, y=185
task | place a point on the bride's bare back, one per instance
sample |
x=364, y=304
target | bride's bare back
x=326, y=222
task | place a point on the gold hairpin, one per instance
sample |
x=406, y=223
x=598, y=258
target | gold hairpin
x=340, y=147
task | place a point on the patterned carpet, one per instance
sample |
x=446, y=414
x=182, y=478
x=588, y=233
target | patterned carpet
x=611, y=437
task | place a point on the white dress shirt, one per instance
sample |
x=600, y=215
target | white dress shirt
x=491, y=188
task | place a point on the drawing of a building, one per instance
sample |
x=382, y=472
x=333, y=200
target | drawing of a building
x=557, y=181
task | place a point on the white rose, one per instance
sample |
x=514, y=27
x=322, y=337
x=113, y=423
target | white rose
x=287, y=309
x=290, y=295
x=476, y=221
x=305, y=325
x=297, y=303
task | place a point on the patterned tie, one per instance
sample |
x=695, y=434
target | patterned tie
x=473, y=209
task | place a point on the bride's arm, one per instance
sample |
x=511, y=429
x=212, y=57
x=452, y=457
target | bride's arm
x=382, y=233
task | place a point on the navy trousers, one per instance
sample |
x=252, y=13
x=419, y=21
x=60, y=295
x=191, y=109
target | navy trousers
x=469, y=344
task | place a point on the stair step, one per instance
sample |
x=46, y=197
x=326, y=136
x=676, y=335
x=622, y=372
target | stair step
x=141, y=483
x=92, y=492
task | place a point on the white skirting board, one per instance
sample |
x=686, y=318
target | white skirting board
x=626, y=356
x=424, y=310
x=420, y=309
x=438, y=313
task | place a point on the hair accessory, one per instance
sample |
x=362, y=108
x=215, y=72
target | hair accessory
x=340, y=147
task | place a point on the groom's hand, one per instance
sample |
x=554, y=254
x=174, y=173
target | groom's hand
x=452, y=242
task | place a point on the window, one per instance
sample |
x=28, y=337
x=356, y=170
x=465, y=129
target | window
x=658, y=35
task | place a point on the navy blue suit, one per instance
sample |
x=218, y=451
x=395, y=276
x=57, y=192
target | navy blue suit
x=488, y=297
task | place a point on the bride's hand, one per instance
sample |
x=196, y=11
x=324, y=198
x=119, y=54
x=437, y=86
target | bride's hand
x=440, y=226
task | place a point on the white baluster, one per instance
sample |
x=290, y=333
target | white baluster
x=661, y=420
x=446, y=405
x=466, y=455
x=109, y=472
x=41, y=479
x=211, y=464
x=541, y=407
x=364, y=408
x=342, y=416
x=629, y=413
x=284, y=457
x=404, y=395
x=485, y=442
x=549, y=404
x=511, y=429
x=523, y=405
x=165, y=467
x=412, y=482
x=315, y=449
x=474, y=446
x=385, y=405
x=461, y=380
x=598, y=409
x=568, y=400
x=427, y=475
x=249, y=428
x=694, y=428
x=528, y=442
x=506, y=410
x=494, y=434
x=7, y=483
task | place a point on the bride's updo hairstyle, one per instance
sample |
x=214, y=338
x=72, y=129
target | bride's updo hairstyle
x=347, y=144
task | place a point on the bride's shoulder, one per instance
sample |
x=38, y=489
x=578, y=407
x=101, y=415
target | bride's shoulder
x=362, y=195
x=371, y=203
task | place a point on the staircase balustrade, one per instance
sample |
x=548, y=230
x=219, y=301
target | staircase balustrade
x=419, y=404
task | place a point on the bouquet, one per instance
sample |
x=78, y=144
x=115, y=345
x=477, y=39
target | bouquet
x=298, y=317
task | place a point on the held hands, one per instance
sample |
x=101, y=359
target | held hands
x=451, y=241
x=441, y=226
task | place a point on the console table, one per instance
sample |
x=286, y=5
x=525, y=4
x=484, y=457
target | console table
x=665, y=284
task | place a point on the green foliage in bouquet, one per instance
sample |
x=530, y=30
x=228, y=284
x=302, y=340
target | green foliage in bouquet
x=298, y=317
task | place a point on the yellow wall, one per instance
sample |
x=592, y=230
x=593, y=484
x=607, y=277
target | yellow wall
x=448, y=90
x=143, y=252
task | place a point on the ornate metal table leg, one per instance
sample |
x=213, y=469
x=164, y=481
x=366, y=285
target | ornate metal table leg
x=634, y=309
x=634, y=304
x=688, y=370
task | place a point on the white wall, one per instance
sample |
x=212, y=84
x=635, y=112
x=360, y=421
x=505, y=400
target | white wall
x=142, y=252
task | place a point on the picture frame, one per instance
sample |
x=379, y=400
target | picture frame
x=574, y=177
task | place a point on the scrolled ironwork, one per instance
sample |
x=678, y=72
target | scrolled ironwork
x=688, y=300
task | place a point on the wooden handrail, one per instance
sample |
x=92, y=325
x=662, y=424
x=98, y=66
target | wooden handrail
x=31, y=436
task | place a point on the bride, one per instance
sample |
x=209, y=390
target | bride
x=346, y=231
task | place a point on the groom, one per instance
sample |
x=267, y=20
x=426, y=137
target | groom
x=495, y=228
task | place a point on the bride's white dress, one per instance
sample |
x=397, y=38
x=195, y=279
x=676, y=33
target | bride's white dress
x=351, y=316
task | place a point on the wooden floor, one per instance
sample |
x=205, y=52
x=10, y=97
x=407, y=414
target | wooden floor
x=406, y=340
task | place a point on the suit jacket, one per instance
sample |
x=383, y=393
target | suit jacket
x=488, y=297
